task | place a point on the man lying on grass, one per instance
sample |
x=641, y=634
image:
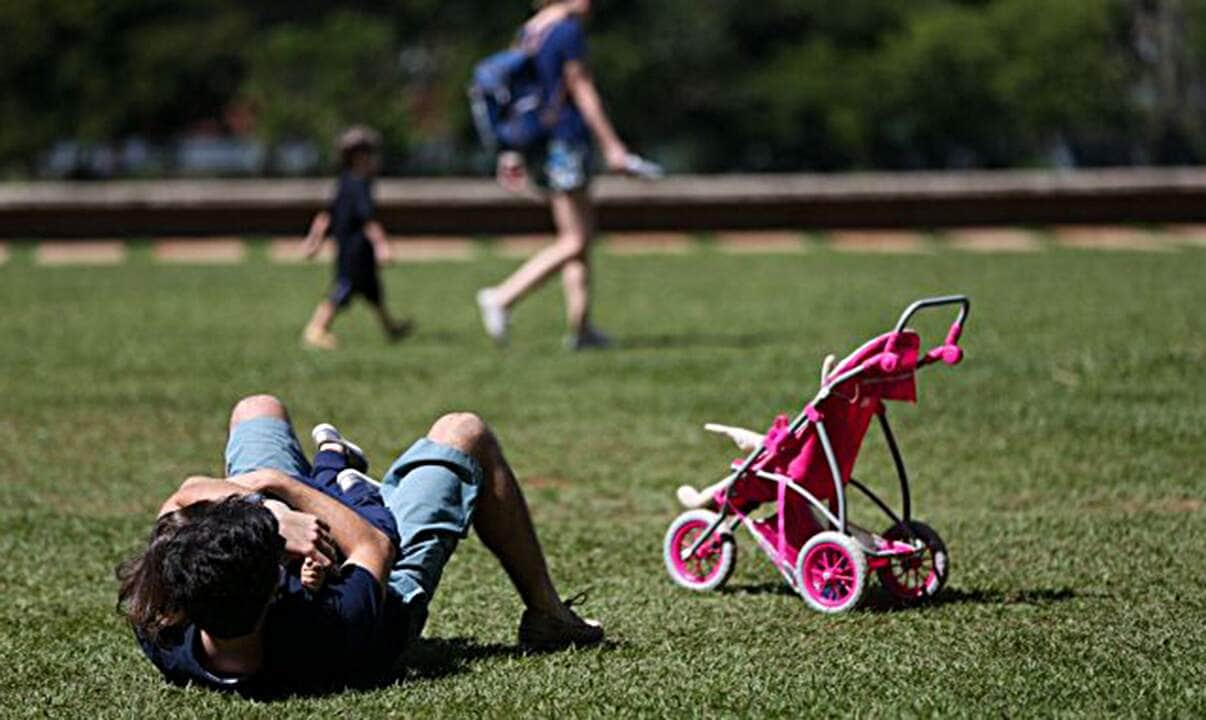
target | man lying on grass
x=210, y=601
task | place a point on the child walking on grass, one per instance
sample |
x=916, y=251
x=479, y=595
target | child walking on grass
x=360, y=240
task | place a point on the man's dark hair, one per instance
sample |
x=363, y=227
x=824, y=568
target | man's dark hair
x=215, y=564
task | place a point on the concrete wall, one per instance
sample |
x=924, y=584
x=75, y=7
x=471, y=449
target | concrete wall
x=688, y=203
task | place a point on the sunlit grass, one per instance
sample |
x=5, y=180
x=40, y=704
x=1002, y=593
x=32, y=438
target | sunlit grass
x=1063, y=463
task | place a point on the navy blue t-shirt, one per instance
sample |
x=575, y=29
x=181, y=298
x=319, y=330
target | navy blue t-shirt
x=565, y=41
x=362, y=497
x=351, y=210
x=343, y=636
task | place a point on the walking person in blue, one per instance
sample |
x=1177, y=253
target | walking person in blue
x=360, y=239
x=561, y=166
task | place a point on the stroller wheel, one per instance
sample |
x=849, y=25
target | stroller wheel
x=918, y=577
x=831, y=572
x=711, y=565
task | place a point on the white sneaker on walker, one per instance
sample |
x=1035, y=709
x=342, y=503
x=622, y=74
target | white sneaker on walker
x=589, y=339
x=495, y=317
x=326, y=433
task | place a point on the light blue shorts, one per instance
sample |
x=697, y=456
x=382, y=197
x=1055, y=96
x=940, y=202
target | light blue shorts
x=562, y=165
x=265, y=442
x=431, y=490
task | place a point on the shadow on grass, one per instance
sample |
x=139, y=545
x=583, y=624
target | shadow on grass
x=735, y=341
x=766, y=588
x=435, y=658
x=878, y=599
x=431, y=658
x=424, y=659
x=422, y=337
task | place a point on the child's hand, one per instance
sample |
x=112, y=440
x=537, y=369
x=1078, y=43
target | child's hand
x=312, y=575
x=385, y=254
x=374, y=231
x=305, y=535
x=318, y=232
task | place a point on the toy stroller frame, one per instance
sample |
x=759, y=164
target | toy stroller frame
x=830, y=570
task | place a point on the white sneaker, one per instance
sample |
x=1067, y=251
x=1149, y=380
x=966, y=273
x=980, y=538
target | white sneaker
x=495, y=317
x=589, y=339
x=349, y=478
x=326, y=433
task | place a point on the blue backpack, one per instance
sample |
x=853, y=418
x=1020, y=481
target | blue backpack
x=507, y=102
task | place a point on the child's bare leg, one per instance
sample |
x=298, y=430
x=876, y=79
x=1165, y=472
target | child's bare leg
x=393, y=329
x=323, y=316
x=318, y=330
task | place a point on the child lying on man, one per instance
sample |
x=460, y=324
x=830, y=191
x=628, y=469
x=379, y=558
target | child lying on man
x=339, y=469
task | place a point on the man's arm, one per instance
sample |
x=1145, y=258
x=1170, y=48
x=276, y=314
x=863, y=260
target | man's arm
x=198, y=488
x=362, y=544
x=581, y=87
x=305, y=534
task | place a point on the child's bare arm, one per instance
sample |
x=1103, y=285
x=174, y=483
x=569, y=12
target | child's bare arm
x=318, y=232
x=376, y=235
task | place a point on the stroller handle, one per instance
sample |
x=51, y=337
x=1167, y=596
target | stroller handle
x=961, y=300
x=949, y=352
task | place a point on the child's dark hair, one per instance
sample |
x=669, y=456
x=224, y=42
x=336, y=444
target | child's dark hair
x=356, y=140
x=214, y=564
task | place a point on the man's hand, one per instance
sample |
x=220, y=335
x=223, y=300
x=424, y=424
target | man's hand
x=306, y=536
x=361, y=543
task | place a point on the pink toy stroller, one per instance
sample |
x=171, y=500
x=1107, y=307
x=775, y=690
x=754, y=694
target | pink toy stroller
x=804, y=466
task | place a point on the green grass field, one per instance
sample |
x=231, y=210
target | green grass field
x=1063, y=462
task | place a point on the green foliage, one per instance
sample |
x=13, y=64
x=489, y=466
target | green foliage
x=101, y=70
x=951, y=85
x=311, y=82
x=1062, y=463
x=722, y=85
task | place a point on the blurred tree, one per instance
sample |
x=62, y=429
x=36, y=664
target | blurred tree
x=310, y=82
x=717, y=86
x=1166, y=36
x=96, y=71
